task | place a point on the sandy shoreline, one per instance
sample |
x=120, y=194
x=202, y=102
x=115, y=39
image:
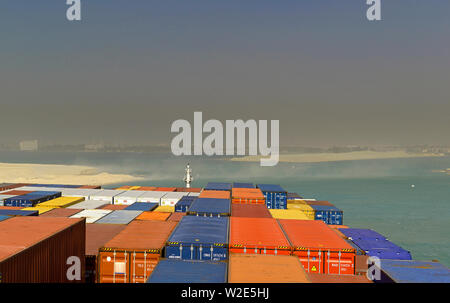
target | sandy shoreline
x=331, y=157
x=59, y=174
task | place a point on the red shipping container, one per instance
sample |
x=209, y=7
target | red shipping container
x=250, y=211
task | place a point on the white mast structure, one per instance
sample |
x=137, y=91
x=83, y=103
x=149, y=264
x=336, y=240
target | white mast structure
x=188, y=176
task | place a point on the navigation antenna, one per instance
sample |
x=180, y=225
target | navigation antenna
x=188, y=177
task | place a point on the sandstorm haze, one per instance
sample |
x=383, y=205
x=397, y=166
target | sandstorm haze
x=128, y=70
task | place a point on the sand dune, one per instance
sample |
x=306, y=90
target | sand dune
x=331, y=157
x=59, y=174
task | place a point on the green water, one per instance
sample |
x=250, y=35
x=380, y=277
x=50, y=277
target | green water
x=374, y=194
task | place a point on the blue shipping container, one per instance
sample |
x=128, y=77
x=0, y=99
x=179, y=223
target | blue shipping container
x=218, y=186
x=142, y=206
x=199, y=238
x=3, y=218
x=183, y=205
x=404, y=271
x=361, y=233
x=17, y=212
x=328, y=214
x=275, y=195
x=243, y=185
x=210, y=207
x=178, y=271
x=31, y=199
x=383, y=249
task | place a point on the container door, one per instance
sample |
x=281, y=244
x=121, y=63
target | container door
x=339, y=263
x=141, y=266
x=113, y=267
x=312, y=261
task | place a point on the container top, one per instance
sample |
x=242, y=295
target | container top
x=319, y=203
x=247, y=193
x=405, y=271
x=250, y=268
x=98, y=234
x=201, y=230
x=119, y=217
x=293, y=195
x=313, y=234
x=114, y=206
x=173, y=195
x=107, y=193
x=142, y=235
x=167, y=189
x=250, y=211
x=2, y=218
x=271, y=188
x=151, y=215
x=324, y=208
x=180, y=271
x=88, y=204
x=165, y=209
x=376, y=244
x=260, y=232
x=176, y=217
x=211, y=206
x=61, y=202
x=218, y=194
x=288, y=214
x=130, y=194
x=143, y=206
x=361, y=233
x=153, y=194
x=243, y=185
x=19, y=233
x=60, y=212
x=21, y=213
x=218, y=186
x=41, y=210
x=92, y=215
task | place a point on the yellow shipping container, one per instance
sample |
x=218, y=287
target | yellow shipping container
x=295, y=214
x=165, y=209
x=305, y=208
x=61, y=202
x=296, y=201
x=135, y=187
x=40, y=209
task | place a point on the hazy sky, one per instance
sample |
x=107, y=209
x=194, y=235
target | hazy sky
x=130, y=68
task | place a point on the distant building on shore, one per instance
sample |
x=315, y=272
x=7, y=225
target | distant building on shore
x=30, y=145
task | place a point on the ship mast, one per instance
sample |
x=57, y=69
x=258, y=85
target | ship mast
x=188, y=176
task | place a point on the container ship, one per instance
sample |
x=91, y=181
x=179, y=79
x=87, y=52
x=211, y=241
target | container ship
x=220, y=233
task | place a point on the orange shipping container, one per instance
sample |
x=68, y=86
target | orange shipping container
x=131, y=256
x=257, y=236
x=147, y=188
x=150, y=215
x=319, y=247
x=176, y=217
x=16, y=192
x=114, y=206
x=247, y=196
x=216, y=194
x=164, y=189
x=244, y=268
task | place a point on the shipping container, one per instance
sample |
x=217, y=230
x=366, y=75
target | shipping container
x=305, y=208
x=184, y=204
x=171, y=198
x=11, y=207
x=189, y=189
x=257, y=236
x=147, y=188
x=250, y=211
x=181, y=271
x=165, y=209
x=245, y=268
x=275, y=195
x=92, y=215
x=166, y=189
x=142, y=206
x=85, y=193
x=61, y=212
x=30, y=200
x=17, y=192
x=90, y=187
x=18, y=213
x=293, y=214
x=209, y=207
x=293, y=196
x=113, y=207
x=383, y=249
x=362, y=234
x=152, y=215
x=247, y=196
x=408, y=271
x=40, y=210
x=243, y=185
x=97, y=235
x=319, y=248
x=106, y=195
x=217, y=194
x=324, y=278
x=128, y=197
x=2, y=218
x=176, y=217
x=3, y=197
x=361, y=264
x=328, y=214
x=152, y=196
x=193, y=194
x=199, y=238
x=37, y=249
x=61, y=202
x=89, y=204
x=119, y=217
x=218, y=186
x=131, y=256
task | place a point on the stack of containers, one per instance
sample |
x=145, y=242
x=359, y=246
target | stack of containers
x=210, y=207
x=106, y=195
x=176, y=271
x=31, y=199
x=151, y=196
x=61, y=202
x=375, y=244
x=199, y=238
x=184, y=204
x=257, y=236
x=328, y=214
x=306, y=209
x=128, y=197
x=247, y=196
x=275, y=195
x=131, y=256
x=171, y=198
x=319, y=248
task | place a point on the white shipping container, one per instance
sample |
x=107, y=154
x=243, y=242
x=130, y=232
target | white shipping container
x=106, y=195
x=194, y=194
x=92, y=215
x=152, y=196
x=3, y=197
x=85, y=193
x=171, y=198
x=128, y=197
x=88, y=204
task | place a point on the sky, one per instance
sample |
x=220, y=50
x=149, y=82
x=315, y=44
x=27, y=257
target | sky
x=128, y=69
